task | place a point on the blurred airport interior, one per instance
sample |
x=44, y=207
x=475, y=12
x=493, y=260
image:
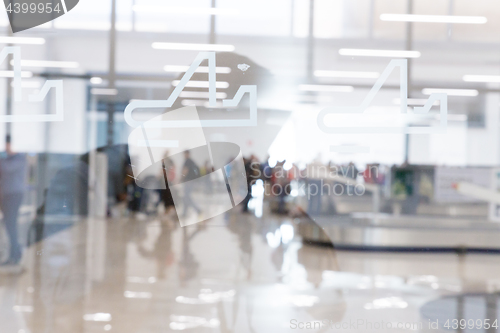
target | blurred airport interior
x=250, y=166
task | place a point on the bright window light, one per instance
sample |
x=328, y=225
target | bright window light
x=201, y=69
x=451, y=92
x=345, y=74
x=193, y=47
x=48, y=64
x=184, y=10
x=482, y=78
x=325, y=88
x=22, y=40
x=202, y=84
x=380, y=53
x=434, y=18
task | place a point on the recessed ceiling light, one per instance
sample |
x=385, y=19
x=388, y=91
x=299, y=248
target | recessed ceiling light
x=22, y=40
x=482, y=78
x=451, y=92
x=380, y=53
x=48, y=64
x=202, y=84
x=325, y=88
x=104, y=91
x=193, y=47
x=200, y=69
x=96, y=80
x=201, y=94
x=434, y=18
x=184, y=10
x=346, y=74
x=24, y=74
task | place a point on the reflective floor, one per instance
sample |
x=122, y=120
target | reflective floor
x=236, y=273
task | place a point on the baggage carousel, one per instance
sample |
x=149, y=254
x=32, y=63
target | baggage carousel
x=403, y=233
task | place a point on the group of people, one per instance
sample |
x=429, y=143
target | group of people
x=190, y=171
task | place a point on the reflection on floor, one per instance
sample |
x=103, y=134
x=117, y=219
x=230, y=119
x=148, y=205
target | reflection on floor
x=236, y=273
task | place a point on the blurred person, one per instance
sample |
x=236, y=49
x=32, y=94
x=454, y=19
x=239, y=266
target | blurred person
x=266, y=170
x=134, y=194
x=350, y=172
x=252, y=170
x=190, y=171
x=168, y=174
x=312, y=175
x=12, y=186
x=282, y=181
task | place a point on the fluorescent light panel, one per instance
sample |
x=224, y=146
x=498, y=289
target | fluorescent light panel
x=29, y=84
x=104, y=91
x=414, y=101
x=325, y=88
x=195, y=102
x=433, y=18
x=22, y=40
x=346, y=74
x=451, y=92
x=48, y=64
x=200, y=69
x=24, y=74
x=380, y=53
x=184, y=10
x=201, y=94
x=193, y=47
x=202, y=84
x=482, y=78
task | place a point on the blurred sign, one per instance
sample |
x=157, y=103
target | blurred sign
x=40, y=96
x=366, y=119
x=446, y=178
x=212, y=93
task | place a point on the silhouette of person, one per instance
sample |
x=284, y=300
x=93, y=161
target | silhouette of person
x=12, y=186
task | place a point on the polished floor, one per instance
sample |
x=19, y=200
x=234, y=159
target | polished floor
x=236, y=273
